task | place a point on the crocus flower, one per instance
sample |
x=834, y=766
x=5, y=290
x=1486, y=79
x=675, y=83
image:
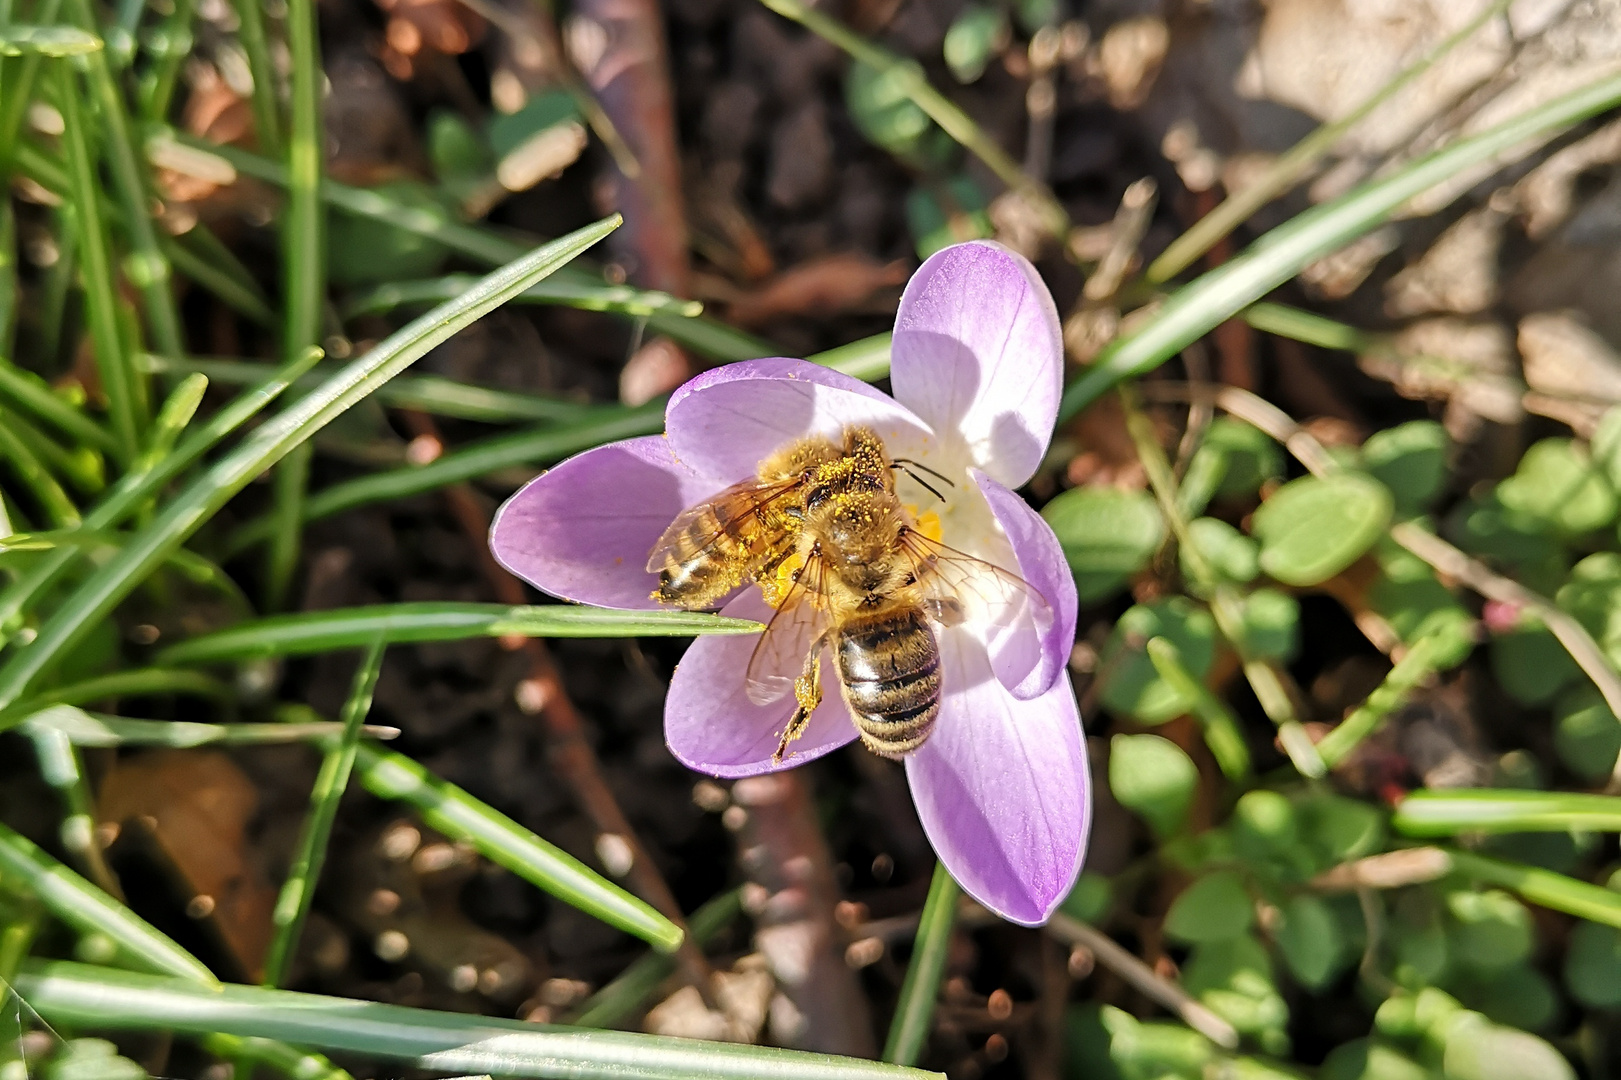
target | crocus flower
x=1001, y=785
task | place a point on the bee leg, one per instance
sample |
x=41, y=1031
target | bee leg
x=807, y=696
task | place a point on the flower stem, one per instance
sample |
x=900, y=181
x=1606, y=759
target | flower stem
x=910, y=1028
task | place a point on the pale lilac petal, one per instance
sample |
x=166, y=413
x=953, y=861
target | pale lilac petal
x=584, y=529
x=1042, y=564
x=1002, y=787
x=711, y=725
x=978, y=351
x=726, y=421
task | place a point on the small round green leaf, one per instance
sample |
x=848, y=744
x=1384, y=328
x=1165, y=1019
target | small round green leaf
x=1531, y=665
x=976, y=35
x=1314, y=527
x=1587, y=735
x=1217, y=907
x=1153, y=777
x=1410, y=460
x=1107, y=535
x=880, y=103
x=1337, y=829
x=1482, y=1050
x=1559, y=487
x=1488, y=930
x=1089, y=900
x=1593, y=965
x=1229, y=554
x=1129, y=683
x=1312, y=942
x=1365, y=1059
x=1271, y=625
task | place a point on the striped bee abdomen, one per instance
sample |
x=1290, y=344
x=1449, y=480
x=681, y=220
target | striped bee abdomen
x=889, y=666
x=708, y=561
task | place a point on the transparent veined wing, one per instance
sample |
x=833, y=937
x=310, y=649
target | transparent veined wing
x=959, y=587
x=794, y=633
x=697, y=529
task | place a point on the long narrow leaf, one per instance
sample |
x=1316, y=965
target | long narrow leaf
x=90, y=911
x=108, y=1000
x=433, y=620
x=298, y=891
x=1447, y=813
x=145, y=478
x=200, y=500
x=914, y=1012
x=93, y=729
x=711, y=338
x=506, y=843
x=1557, y=891
x=1216, y=296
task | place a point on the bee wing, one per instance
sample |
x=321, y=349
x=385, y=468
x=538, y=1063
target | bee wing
x=958, y=587
x=736, y=502
x=793, y=632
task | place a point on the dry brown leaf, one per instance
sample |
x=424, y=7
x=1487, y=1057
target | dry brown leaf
x=819, y=287
x=195, y=805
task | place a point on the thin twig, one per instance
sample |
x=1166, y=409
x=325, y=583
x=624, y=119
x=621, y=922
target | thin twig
x=1143, y=978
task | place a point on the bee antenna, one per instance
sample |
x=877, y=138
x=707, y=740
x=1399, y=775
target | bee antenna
x=903, y=463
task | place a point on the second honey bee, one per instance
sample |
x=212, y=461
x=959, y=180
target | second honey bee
x=821, y=529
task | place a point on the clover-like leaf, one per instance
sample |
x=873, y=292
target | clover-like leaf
x=1107, y=535
x=1314, y=527
x=1214, y=908
x=1410, y=460
x=1229, y=554
x=1128, y=680
x=1312, y=941
x=1558, y=486
x=1153, y=777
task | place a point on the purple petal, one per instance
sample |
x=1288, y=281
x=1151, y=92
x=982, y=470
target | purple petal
x=978, y=351
x=726, y=421
x=711, y=725
x=583, y=530
x=1002, y=787
x=1042, y=564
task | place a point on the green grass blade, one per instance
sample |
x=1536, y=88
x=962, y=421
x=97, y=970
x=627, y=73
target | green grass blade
x=20, y=92
x=1448, y=813
x=539, y=446
x=867, y=359
x=96, y=730
x=303, y=283
x=168, y=47
x=621, y=299
x=914, y=1012
x=1296, y=162
x=10, y=293
x=506, y=843
x=287, y=525
x=426, y=393
x=1221, y=729
x=298, y=891
x=1309, y=327
x=1401, y=680
x=256, y=44
x=305, y=633
x=1557, y=891
x=713, y=339
x=291, y=1062
x=90, y=911
x=125, y=405
x=480, y=458
x=62, y=768
x=627, y=993
x=82, y=466
x=146, y=266
x=28, y=391
x=136, y=682
x=246, y=299
x=1216, y=296
x=96, y=597
x=143, y=480
x=21, y=39
x=33, y=474
x=106, y=999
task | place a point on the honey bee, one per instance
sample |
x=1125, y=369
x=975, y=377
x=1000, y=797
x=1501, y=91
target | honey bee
x=823, y=532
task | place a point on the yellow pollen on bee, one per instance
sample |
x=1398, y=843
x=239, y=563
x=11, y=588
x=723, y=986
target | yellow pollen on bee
x=776, y=588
